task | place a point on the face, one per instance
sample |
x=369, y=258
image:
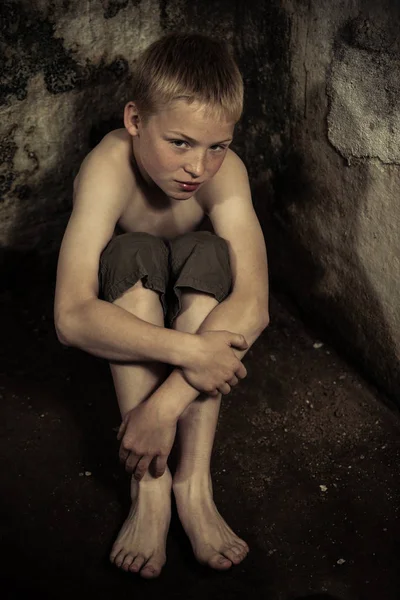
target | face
x=178, y=149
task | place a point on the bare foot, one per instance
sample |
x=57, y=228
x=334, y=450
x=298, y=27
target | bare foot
x=213, y=541
x=140, y=545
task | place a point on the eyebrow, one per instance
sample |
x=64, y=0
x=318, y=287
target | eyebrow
x=195, y=141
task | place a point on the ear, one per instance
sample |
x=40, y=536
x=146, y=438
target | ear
x=131, y=119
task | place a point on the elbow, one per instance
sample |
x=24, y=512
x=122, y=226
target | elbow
x=264, y=322
x=260, y=322
x=263, y=311
x=259, y=318
x=62, y=323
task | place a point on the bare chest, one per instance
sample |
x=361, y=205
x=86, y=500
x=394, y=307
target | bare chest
x=166, y=222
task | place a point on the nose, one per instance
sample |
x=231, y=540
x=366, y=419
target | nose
x=195, y=167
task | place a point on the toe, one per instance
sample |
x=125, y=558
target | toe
x=127, y=562
x=149, y=572
x=119, y=558
x=217, y=561
x=240, y=552
x=136, y=565
x=151, y=569
x=233, y=554
x=242, y=545
x=114, y=553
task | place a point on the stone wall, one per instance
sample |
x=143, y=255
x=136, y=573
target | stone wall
x=64, y=84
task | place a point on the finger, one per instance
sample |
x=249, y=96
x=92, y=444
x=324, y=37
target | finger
x=224, y=389
x=141, y=467
x=160, y=464
x=239, y=341
x=121, y=430
x=241, y=371
x=233, y=381
x=131, y=462
x=123, y=453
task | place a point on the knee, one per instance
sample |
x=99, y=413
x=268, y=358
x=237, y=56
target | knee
x=135, y=294
x=128, y=258
x=205, y=277
x=143, y=303
x=195, y=307
x=134, y=273
x=196, y=300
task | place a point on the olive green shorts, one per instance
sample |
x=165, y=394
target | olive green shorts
x=199, y=260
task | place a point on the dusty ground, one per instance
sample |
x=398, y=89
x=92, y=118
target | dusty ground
x=305, y=469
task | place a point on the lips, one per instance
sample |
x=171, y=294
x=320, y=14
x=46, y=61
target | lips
x=191, y=183
x=188, y=187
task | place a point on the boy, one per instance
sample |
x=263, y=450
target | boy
x=164, y=292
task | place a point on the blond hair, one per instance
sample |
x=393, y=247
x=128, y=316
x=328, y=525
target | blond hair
x=190, y=66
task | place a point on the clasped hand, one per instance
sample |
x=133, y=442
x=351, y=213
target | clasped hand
x=148, y=433
x=146, y=436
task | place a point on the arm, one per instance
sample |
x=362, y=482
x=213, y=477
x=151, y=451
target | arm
x=102, y=189
x=148, y=431
x=175, y=394
x=245, y=311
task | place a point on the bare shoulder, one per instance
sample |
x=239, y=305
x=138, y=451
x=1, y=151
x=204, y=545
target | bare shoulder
x=231, y=180
x=101, y=191
x=232, y=161
x=113, y=153
x=232, y=215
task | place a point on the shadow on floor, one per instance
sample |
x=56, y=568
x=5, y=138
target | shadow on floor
x=305, y=469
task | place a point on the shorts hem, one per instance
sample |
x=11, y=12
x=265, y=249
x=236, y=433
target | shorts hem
x=202, y=286
x=116, y=290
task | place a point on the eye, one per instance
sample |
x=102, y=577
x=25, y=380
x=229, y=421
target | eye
x=219, y=148
x=177, y=143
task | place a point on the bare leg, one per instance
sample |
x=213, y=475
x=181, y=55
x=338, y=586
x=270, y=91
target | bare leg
x=213, y=541
x=140, y=545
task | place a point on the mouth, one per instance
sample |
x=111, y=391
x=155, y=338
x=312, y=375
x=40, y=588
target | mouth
x=188, y=186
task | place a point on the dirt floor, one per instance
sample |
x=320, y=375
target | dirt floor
x=305, y=468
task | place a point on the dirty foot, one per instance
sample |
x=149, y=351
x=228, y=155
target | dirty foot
x=140, y=545
x=213, y=541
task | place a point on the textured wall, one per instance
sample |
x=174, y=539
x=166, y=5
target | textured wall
x=333, y=222
x=64, y=82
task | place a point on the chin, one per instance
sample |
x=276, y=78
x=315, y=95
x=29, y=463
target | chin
x=179, y=199
x=181, y=196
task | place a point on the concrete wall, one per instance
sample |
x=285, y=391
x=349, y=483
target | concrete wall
x=320, y=137
x=333, y=218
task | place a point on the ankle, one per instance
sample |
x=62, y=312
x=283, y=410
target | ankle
x=200, y=481
x=148, y=481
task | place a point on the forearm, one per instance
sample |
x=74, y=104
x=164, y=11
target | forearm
x=175, y=394
x=106, y=330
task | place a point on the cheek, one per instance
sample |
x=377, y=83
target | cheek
x=156, y=161
x=165, y=159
